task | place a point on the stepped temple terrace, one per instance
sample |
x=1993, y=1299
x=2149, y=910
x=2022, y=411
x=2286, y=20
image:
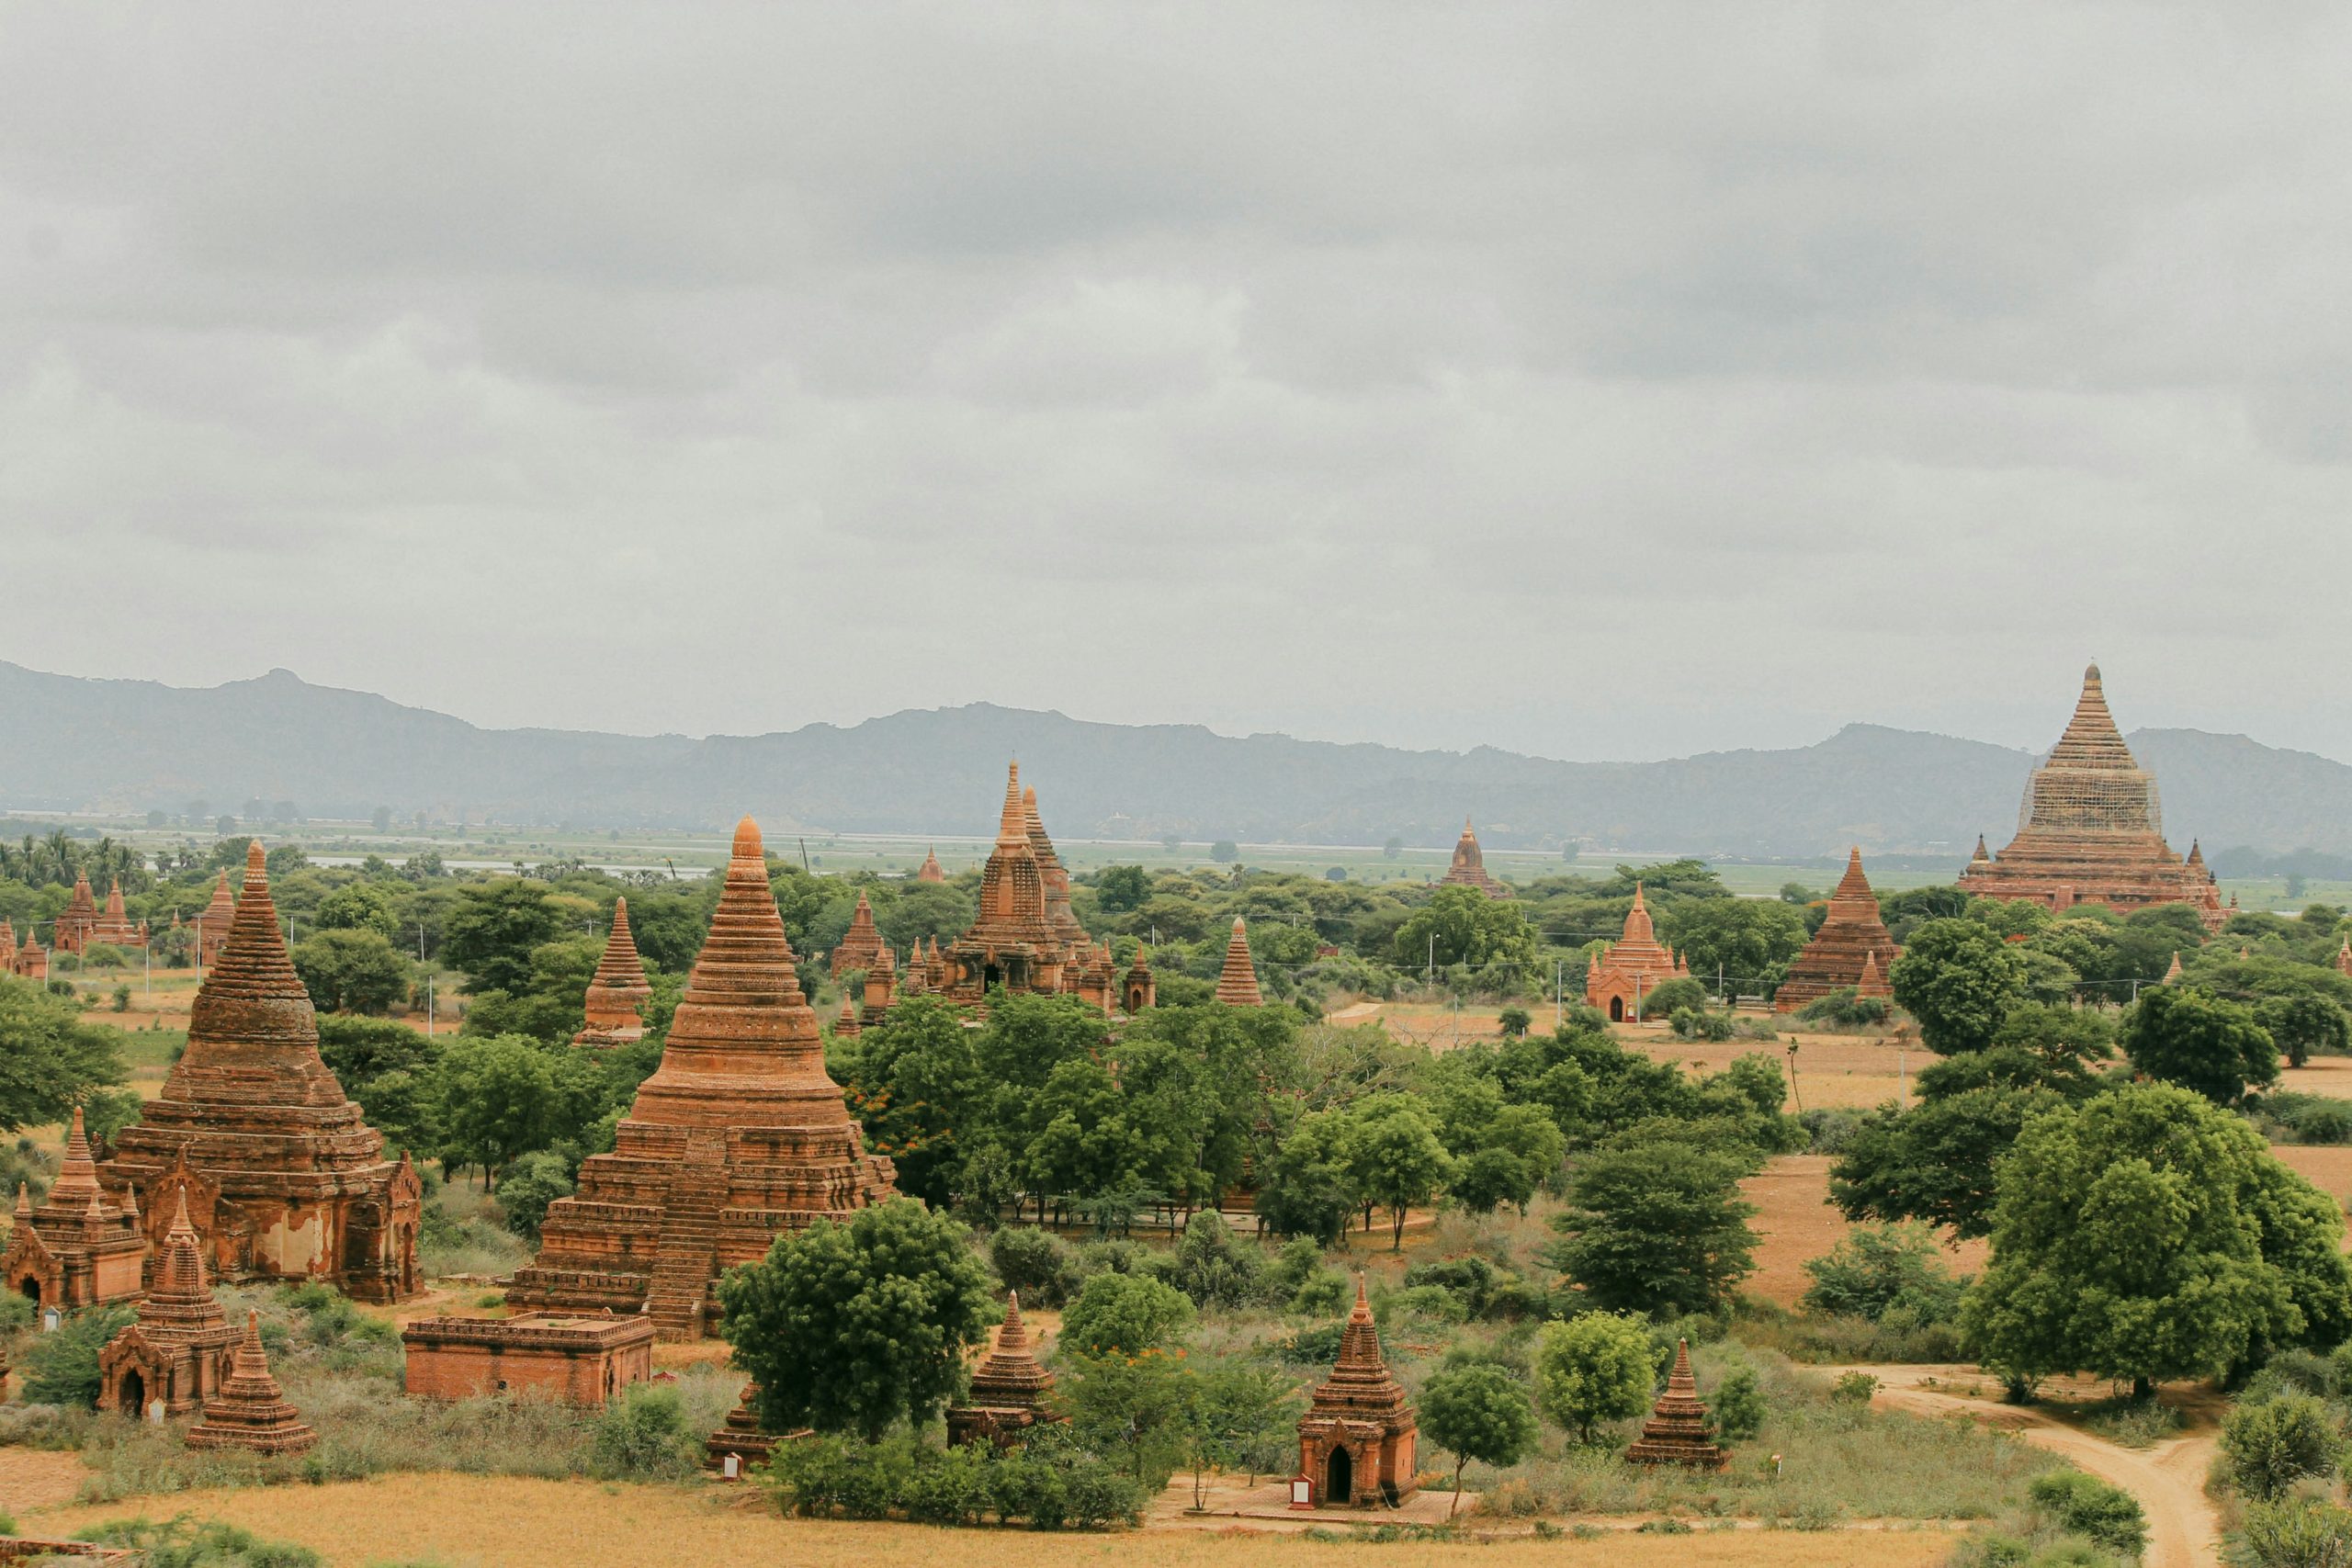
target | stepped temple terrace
x=79, y=1248
x=618, y=992
x=1678, y=1431
x=282, y=1177
x=1852, y=945
x=1357, y=1442
x=1026, y=939
x=179, y=1350
x=1632, y=967
x=249, y=1410
x=738, y=1135
x=1237, y=983
x=1008, y=1389
x=584, y=1359
x=1469, y=866
x=2091, y=830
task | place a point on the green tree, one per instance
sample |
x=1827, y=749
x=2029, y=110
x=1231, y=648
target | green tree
x=1738, y=1404
x=1467, y=928
x=2190, y=1037
x=351, y=971
x=1393, y=1156
x=1224, y=851
x=850, y=1327
x=1960, y=980
x=1136, y=1406
x=62, y=1368
x=495, y=925
x=1657, y=1224
x=1478, y=1412
x=1594, y=1367
x=49, y=1057
x=1876, y=1268
x=1307, y=1188
x=360, y=907
x=1747, y=941
x=495, y=1099
x=1238, y=1419
x=533, y=1181
x=2303, y=1023
x=2147, y=1234
x=1126, y=1315
x=2271, y=1445
x=1121, y=888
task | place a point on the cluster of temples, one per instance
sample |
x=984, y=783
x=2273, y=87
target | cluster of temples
x=2090, y=830
x=28, y=960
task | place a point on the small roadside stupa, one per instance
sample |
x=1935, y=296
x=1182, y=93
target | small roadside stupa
x=1871, y=982
x=1008, y=1387
x=179, y=1350
x=618, y=992
x=739, y=1444
x=1358, y=1441
x=1677, y=1432
x=1237, y=985
x=1468, y=868
x=250, y=1411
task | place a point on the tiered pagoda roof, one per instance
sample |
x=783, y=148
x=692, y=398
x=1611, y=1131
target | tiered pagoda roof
x=862, y=947
x=1360, y=1412
x=79, y=1248
x=1851, y=938
x=283, y=1176
x=1008, y=1386
x=1678, y=1431
x=1237, y=984
x=736, y=1136
x=180, y=1345
x=1469, y=866
x=618, y=992
x=71, y=932
x=250, y=1411
x=1023, y=938
x=2091, y=832
x=114, y=927
x=1633, y=966
x=1138, y=987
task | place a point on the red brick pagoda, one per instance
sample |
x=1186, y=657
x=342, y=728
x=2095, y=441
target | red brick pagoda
x=1851, y=939
x=2090, y=830
x=282, y=1175
x=79, y=1248
x=180, y=1348
x=1137, y=989
x=1678, y=1431
x=1021, y=939
x=70, y=931
x=1469, y=867
x=212, y=925
x=736, y=1136
x=1629, y=969
x=930, y=870
x=862, y=948
x=32, y=962
x=1008, y=1388
x=1357, y=1442
x=1237, y=984
x=618, y=992
x=114, y=928
x=250, y=1411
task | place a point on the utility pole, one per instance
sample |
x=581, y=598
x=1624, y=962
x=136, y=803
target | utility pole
x=1559, y=994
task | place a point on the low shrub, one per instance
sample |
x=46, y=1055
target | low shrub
x=2267, y=1446
x=2089, y=1507
x=1046, y=1487
x=1037, y=1263
x=2299, y=1532
x=62, y=1368
x=181, y=1542
x=1739, y=1404
x=643, y=1436
x=1844, y=1010
x=1880, y=1269
x=1701, y=1024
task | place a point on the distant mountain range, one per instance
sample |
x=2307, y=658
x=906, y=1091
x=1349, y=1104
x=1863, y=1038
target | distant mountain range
x=83, y=745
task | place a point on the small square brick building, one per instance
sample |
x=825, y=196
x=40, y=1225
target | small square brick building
x=579, y=1357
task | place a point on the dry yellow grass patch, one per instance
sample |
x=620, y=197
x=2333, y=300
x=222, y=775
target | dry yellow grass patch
x=470, y=1521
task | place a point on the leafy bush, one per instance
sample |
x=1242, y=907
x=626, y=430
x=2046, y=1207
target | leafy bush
x=1831, y=1130
x=1663, y=999
x=2287, y=1117
x=2089, y=1507
x=2299, y=1532
x=1877, y=1268
x=1037, y=1263
x=1125, y=1314
x=1213, y=1267
x=643, y=1435
x=181, y=1542
x=1297, y=1280
x=1853, y=1389
x=1843, y=1010
x=2270, y=1446
x=1739, y=1404
x=1048, y=1486
x=62, y=1368
x=528, y=1185
x=1702, y=1023
x=1485, y=1290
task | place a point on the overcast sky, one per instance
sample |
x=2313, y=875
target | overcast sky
x=1607, y=381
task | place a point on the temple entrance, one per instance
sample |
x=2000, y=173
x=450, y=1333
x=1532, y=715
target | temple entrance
x=1339, y=1478
x=991, y=975
x=1616, y=1009
x=130, y=1396
x=30, y=1287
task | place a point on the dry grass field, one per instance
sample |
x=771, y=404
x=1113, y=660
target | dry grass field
x=1797, y=1222
x=463, y=1521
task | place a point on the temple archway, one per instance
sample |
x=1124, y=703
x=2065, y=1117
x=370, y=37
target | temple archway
x=1339, y=1477
x=30, y=1287
x=1616, y=1009
x=130, y=1396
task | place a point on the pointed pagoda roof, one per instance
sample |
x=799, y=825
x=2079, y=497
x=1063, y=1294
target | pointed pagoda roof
x=1852, y=944
x=250, y=1411
x=845, y=1023
x=81, y=905
x=1009, y=1376
x=1982, y=852
x=2197, y=853
x=1468, y=867
x=221, y=913
x=1236, y=985
x=743, y=1048
x=1677, y=1432
x=1871, y=982
x=75, y=1193
x=930, y=870
x=1360, y=1384
x=2091, y=739
x=861, y=947
x=2172, y=971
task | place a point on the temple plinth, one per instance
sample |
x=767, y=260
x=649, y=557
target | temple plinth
x=1468, y=868
x=1358, y=1441
x=1008, y=1389
x=179, y=1350
x=1237, y=983
x=80, y=1247
x=1678, y=1431
x=282, y=1176
x=2090, y=830
x=736, y=1137
x=618, y=992
x=1852, y=939
x=1624, y=974
x=250, y=1411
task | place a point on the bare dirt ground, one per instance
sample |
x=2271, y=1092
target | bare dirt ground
x=2184, y=1529
x=1797, y=1222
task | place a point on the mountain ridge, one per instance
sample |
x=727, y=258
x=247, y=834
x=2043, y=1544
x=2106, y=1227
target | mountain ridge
x=129, y=745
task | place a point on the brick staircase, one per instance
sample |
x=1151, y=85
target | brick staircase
x=685, y=1252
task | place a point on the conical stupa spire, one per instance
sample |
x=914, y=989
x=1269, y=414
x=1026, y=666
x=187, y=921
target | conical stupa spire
x=2091, y=739
x=78, y=1177
x=249, y=1410
x=1236, y=985
x=1013, y=828
x=2172, y=971
x=1853, y=881
x=930, y=870
x=613, y=1007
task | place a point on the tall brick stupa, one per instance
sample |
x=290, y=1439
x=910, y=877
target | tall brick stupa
x=1468, y=868
x=2091, y=830
x=615, y=1006
x=282, y=1176
x=738, y=1135
x=1852, y=940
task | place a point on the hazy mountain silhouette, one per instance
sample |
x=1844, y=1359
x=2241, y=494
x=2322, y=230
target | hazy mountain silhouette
x=77, y=744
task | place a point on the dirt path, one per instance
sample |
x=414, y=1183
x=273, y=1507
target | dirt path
x=2169, y=1478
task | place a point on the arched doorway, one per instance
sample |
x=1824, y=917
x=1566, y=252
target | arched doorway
x=130, y=1396
x=1339, y=1477
x=30, y=1287
x=1616, y=1009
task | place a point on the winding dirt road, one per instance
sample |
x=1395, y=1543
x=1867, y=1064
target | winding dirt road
x=2184, y=1530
